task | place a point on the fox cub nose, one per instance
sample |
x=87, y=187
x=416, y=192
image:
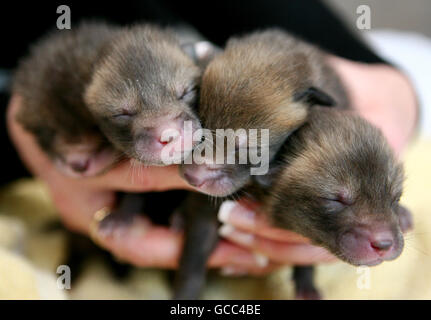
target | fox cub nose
x=80, y=165
x=382, y=245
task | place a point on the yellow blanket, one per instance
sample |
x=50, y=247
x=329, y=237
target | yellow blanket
x=30, y=254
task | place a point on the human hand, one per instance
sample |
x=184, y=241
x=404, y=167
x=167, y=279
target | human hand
x=382, y=95
x=244, y=225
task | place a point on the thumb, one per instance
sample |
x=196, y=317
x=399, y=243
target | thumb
x=129, y=176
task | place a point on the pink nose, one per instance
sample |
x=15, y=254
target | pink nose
x=382, y=245
x=366, y=245
x=169, y=130
x=80, y=166
x=168, y=133
x=176, y=134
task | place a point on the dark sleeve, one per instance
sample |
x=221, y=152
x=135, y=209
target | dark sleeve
x=217, y=20
x=310, y=19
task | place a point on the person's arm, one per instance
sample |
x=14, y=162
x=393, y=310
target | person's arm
x=382, y=95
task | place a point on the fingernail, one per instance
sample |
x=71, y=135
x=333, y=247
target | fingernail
x=94, y=231
x=232, y=271
x=232, y=211
x=225, y=210
x=137, y=229
x=117, y=231
x=261, y=260
x=230, y=232
x=226, y=230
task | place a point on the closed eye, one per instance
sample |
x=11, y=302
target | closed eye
x=333, y=205
x=124, y=114
x=188, y=94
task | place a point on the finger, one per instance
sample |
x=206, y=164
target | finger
x=133, y=177
x=230, y=254
x=236, y=271
x=147, y=245
x=243, y=216
x=277, y=251
x=77, y=207
x=143, y=244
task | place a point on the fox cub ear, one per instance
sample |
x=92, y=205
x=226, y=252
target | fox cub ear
x=202, y=52
x=315, y=96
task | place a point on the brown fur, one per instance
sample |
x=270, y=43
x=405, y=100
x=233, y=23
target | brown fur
x=51, y=82
x=335, y=154
x=74, y=82
x=143, y=72
x=260, y=81
x=334, y=157
x=252, y=84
